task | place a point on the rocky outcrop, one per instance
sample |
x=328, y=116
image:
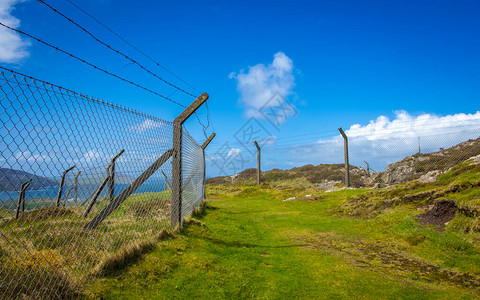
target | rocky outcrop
x=427, y=167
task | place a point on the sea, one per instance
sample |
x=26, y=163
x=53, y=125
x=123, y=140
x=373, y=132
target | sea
x=84, y=192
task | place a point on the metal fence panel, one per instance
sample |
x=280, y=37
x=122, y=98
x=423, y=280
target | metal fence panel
x=62, y=143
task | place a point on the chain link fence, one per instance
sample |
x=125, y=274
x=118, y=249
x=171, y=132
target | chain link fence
x=380, y=153
x=83, y=183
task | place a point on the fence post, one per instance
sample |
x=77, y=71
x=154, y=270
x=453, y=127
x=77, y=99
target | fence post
x=368, y=168
x=97, y=192
x=112, y=205
x=62, y=182
x=166, y=180
x=111, y=182
x=66, y=196
x=176, y=207
x=345, y=150
x=21, y=198
x=75, y=197
x=259, y=172
x=205, y=144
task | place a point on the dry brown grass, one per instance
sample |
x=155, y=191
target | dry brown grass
x=113, y=263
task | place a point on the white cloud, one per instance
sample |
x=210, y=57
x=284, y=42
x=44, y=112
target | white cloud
x=30, y=157
x=233, y=152
x=12, y=48
x=146, y=125
x=406, y=126
x=93, y=155
x=383, y=141
x=261, y=83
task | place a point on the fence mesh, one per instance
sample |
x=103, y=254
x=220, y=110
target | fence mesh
x=381, y=153
x=192, y=174
x=57, y=174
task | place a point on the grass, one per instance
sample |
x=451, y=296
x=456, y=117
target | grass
x=248, y=243
x=46, y=253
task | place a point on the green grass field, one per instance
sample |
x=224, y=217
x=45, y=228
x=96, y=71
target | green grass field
x=249, y=243
x=47, y=252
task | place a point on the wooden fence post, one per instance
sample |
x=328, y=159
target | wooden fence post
x=111, y=182
x=176, y=207
x=345, y=150
x=128, y=191
x=368, y=168
x=62, y=182
x=66, y=196
x=21, y=198
x=97, y=193
x=75, y=197
x=108, y=179
x=205, y=144
x=259, y=171
x=166, y=180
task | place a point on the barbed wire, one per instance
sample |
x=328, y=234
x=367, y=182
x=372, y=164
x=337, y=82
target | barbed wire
x=91, y=65
x=85, y=96
x=131, y=45
x=115, y=50
x=209, y=119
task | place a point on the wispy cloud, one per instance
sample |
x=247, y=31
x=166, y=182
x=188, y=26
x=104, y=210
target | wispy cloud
x=12, y=48
x=146, y=125
x=406, y=126
x=92, y=156
x=262, y=82
x=30, y=157
x=383, y=140
x=233, y=152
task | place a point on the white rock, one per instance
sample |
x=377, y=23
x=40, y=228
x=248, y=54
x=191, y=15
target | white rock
x=430, y=176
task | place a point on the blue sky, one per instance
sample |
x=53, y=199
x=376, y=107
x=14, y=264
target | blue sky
x=347, y=63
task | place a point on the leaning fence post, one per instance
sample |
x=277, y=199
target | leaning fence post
x=66, y=196
x=176, y=207
x=259, y=172
x=97, y=193
x=21, y=198
x=204, y=145
x=345, y=150
x=111, y=182
x=75, y=197
x=107, y=210
x=368, y=168
x=166, y=180
x=62, y=182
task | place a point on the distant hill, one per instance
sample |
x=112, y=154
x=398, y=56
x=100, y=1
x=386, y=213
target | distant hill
x=418, y=166
x=12, y=180
x=320, y=174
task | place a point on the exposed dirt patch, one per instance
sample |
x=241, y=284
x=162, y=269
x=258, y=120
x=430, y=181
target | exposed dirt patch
x=443, y=211
x=384, y=259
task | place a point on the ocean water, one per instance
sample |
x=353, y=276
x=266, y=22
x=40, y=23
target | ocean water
x=85, y=191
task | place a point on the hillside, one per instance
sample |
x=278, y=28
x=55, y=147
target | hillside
x=323, y=174
x=407, y=241
x=424, y=167
x=429, y=165
x=12, y=180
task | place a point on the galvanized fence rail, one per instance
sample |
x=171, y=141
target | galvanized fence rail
x=81, y=182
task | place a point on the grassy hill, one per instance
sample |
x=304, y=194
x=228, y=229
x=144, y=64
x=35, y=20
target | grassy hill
x=430, y=166
x=412, y=240
x=308, y=175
